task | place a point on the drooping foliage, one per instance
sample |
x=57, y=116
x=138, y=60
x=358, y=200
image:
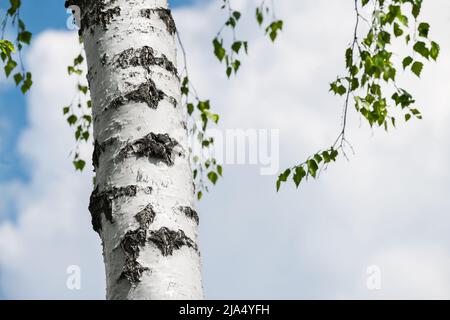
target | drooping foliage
x=369, y=85
x=11, y=49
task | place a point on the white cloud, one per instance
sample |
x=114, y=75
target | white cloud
x=388, y=206
x=52, y=230
x=419, y=272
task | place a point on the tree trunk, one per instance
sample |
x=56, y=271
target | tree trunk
x=143, y=202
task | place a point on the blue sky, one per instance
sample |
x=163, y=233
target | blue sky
x=388, y=206
x=39, y=16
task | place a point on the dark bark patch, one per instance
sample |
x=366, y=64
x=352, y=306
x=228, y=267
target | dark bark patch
x=146, y=93
x=146, y=217
x=167, y=240
x=102, y=203
x=99, y=148
x=165, y=15
x=94, y=13
x=190, y=213
x=131, y=245
x=145, y=57
x=152, y=146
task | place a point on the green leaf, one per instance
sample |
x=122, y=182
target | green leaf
x=79, y=164
x=236, y=64
x=14, y=5
x=424, y=29
x=78, y=60
x=407, y=117
x=236, y=15
x=337, y=88
x=434, y=51
x=10, y=66
x=312, y=167
x=283, y=178
x=349, y=57
x=274, y=28
x=18, y=77
x=408, y=39
x=190, y=108
x=72, y=119
x=219, y=51
x=417, y=68
x=236, y=46
x=25, y=37
x=397, y=30
x=6, y=47
x=259, y=16
x=422, y=49
x=87, y=118
x=229, y=71
x=83, y=89
x=299, y=174
x=318, y=158
x=212, y=176
x=27, y=83
x=416, y=6
x=406, y=62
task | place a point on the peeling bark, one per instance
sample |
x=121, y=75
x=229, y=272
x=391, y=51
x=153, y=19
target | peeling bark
x=143, y=57
x=165, y=15
x=102, y=202
x=99, y=148
x=146, y=93
x=152, y=146
x=190, y=213
x=167, y=240
x=131, y=245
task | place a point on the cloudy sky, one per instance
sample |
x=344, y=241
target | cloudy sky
x=387, y=207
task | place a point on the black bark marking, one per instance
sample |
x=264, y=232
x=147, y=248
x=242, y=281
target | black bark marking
x=146, y=217
x=145, y=57
x=102, y=202
x=152, y=146
x=190, y=213
x=165, y=15
x=94, y=13
x=131, y=245
x=167, y=240
x=99, y=148
x=145, y=93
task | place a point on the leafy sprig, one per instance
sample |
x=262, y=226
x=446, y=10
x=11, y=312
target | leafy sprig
x=79, y=112
x=371, y=82
x=11, y=50
x=199, y=116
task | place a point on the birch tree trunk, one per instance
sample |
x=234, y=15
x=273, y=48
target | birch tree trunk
x=143, y=202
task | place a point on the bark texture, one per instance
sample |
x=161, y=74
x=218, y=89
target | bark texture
x=143, y=202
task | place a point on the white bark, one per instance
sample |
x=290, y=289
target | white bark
x=143, y=203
